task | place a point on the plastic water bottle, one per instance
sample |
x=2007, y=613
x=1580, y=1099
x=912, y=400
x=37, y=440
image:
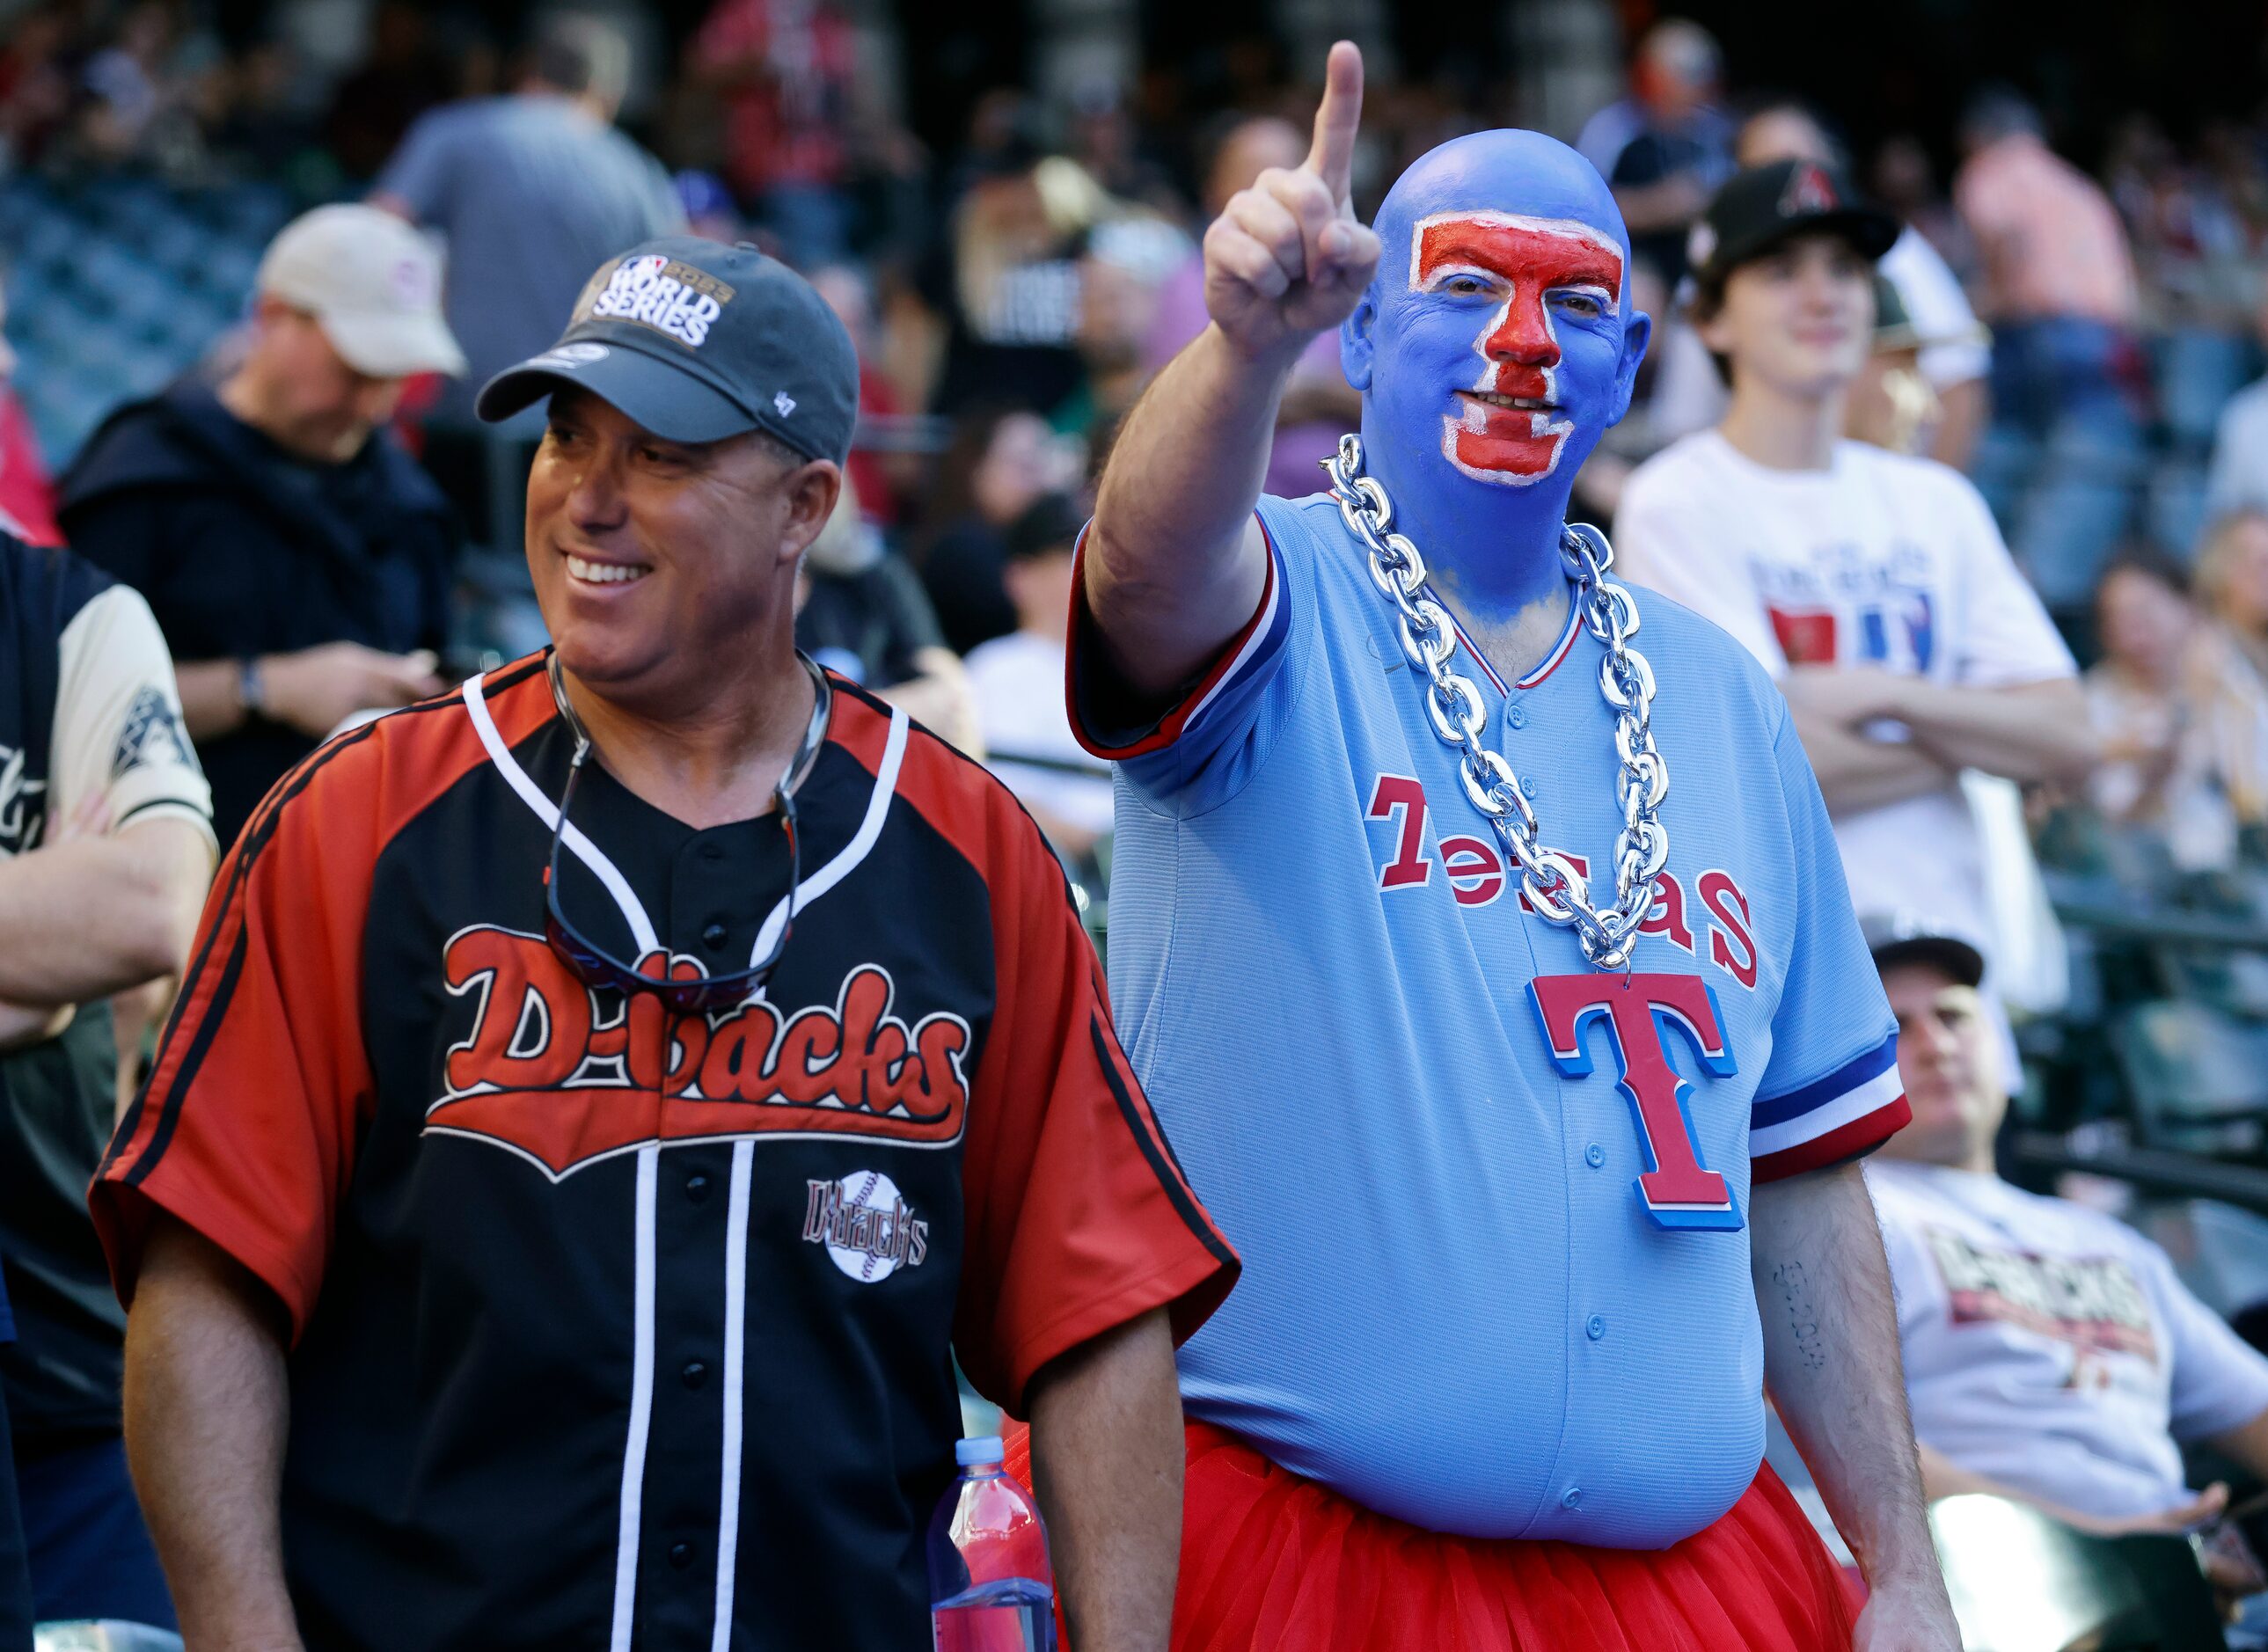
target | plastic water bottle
x=990, y=1587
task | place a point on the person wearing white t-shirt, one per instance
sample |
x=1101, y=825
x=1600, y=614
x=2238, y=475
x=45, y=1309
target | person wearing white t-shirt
x=1018, y=680
x=2051, y=1356
x=1872, y=586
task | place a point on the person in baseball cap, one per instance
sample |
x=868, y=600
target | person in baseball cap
x=299, y=558
x=1759, y=210
x=698, y=342
x=372, y=283
x=1899, y=938
x=2052, y=1355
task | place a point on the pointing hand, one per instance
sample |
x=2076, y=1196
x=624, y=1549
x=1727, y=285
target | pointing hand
x=1286, y=258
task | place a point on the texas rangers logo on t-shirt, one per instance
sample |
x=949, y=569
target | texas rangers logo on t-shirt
x=564, y=1074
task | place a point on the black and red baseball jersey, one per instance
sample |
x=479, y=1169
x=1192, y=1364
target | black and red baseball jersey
x=614, y=1328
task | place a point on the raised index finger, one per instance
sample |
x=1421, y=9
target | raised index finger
x=1331, y=156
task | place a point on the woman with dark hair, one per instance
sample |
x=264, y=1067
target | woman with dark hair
x=2143, y=621
x=999, y=462
x=2225, y=676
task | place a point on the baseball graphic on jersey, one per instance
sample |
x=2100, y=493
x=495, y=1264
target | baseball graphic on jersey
x=865, y=1226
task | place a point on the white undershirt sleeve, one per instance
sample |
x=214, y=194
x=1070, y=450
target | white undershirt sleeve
x=121, y=753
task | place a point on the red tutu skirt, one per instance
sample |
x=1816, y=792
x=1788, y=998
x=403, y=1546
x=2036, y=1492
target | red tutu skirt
x=1271, y=1562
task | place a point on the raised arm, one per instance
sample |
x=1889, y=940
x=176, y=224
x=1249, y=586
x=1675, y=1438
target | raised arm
x=1175, y=564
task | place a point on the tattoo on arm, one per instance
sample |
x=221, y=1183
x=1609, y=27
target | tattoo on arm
x=1802, y=1316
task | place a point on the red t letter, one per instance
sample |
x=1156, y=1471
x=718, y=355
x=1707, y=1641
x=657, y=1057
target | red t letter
x=1679, y=1191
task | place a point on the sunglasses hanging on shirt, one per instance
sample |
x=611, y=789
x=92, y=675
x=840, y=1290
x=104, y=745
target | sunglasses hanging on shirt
x=701, y=995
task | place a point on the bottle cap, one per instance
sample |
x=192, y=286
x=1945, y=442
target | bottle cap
x=984, y=1449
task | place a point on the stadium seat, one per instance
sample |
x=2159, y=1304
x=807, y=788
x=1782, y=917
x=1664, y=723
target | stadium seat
x=2023, y=1582
x=2196, y=1077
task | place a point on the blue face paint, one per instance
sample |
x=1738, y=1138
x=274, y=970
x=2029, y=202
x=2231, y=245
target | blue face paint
x=1505, y=278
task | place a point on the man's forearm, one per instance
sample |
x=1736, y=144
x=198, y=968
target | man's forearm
x=212, y=696
x=1172, y=564
x=2025, y=732
x=1831, y=1362
x=206, y=1411
x=1106, y=1468
x=1856, y=773
x=91, y=917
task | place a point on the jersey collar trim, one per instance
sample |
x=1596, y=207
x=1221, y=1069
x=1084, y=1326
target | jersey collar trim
x=1549, y=663
x=641, y=932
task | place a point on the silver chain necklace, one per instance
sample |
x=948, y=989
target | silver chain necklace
x=1553, y=886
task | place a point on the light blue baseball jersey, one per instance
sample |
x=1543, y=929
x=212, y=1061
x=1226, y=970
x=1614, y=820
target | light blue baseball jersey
x=1485, y=1291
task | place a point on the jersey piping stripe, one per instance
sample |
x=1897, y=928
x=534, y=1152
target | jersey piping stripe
x=626, y=1543
x=219, y=913
x=258, y=831
x=225, y=911
x=1240, y=648
x=1184, y=1202
x=1876, y=1092
x=1854, y=1141
x=1551, y=662
x=1779, y=1109
x=862, y=841
x=546, y=811
x=736, y=1321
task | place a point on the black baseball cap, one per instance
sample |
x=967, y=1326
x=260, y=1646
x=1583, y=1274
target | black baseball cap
x=1050, y=523
x=697, y=340
x=1901, y=938
x=1757, y=209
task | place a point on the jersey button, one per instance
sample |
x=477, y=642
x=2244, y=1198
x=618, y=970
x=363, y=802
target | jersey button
x=713, y=937
x=1594, y=1155
x=1571, y=1498
x=681, y=1555
x=1595, y=1327
x=696, y=1188
x=1515, y=716
x=695, y=1373
x=712, y=851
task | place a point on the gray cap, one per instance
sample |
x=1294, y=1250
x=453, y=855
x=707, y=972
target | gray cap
x=373, y=285
x=696, y=342
x=1901, y=938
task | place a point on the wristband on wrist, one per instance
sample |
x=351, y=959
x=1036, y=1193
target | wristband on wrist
x=249, y=690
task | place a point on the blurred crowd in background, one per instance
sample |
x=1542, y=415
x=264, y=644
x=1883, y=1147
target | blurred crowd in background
x=2082, y=328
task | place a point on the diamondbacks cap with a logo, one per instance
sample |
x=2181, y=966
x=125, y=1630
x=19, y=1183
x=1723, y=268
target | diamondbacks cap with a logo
x=372, y=284
x=1757, y=209
x=696, y=342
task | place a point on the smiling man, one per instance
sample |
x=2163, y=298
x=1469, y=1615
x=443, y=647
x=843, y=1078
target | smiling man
x=607, y=1098
x=1400, y=891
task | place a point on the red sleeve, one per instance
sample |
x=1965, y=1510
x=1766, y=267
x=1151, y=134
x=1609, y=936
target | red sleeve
x=247, y=1128
x=1079, y=1218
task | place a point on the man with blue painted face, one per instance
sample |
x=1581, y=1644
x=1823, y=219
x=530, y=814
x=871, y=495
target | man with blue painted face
x=1530, y=1084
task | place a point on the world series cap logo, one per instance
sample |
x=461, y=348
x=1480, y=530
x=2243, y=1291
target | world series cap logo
x=655, y=290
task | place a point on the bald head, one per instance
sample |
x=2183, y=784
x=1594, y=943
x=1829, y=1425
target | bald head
x=1506, y=170
x=1496, y=339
